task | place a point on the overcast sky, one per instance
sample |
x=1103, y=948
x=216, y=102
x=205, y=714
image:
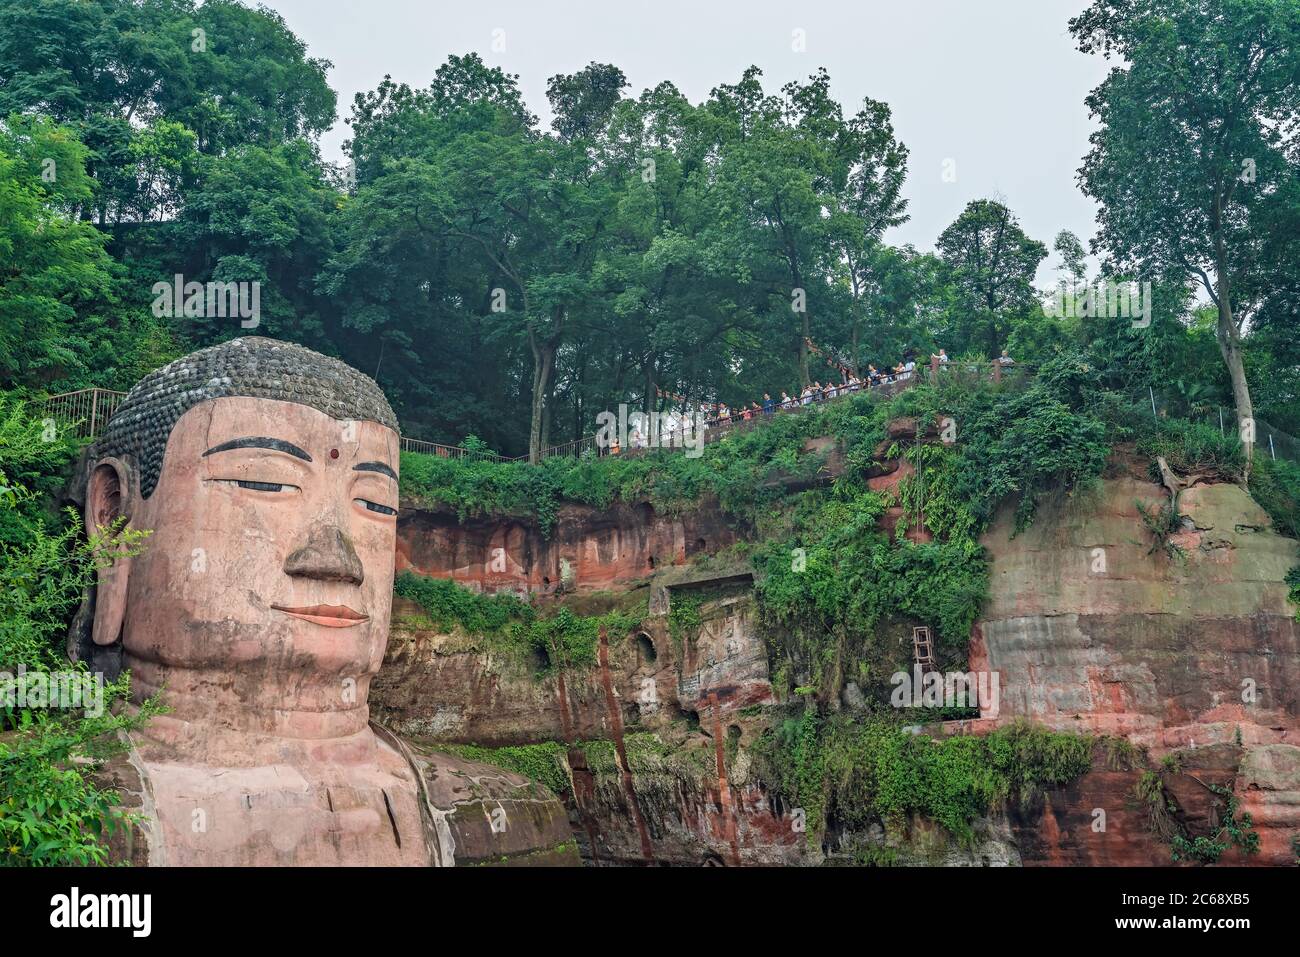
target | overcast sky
x=995, y=86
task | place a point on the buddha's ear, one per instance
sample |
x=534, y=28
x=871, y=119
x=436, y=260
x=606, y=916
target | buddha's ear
x=107, y=493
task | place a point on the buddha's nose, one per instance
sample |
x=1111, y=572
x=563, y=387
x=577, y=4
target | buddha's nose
x=328, y=556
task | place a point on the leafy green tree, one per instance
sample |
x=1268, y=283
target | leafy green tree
x=992, y=265
x=113, y=71
x=1195, y=148
x=51, y=264
x=52, y=811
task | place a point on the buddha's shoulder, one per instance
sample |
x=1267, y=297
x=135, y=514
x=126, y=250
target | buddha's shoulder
x=132, y=826
x=487, y=814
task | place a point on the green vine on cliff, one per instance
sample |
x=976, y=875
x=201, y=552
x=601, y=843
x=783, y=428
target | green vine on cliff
x=563, y=639
x=861, y=771
x=1234, y=830
x=684, y=621
x=1163, y=522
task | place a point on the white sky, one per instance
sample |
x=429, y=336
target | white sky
x=994, y=85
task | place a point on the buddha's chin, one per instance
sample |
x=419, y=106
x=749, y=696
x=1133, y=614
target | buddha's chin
x=265, y=653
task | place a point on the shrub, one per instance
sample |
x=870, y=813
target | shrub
x=51, y=810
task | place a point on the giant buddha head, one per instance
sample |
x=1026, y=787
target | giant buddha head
x=266, y=475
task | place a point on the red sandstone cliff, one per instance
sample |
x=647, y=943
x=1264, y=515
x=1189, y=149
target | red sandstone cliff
x=1087, y=626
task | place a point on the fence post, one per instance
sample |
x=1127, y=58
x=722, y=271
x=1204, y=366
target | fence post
x=1271, y=450
x=94, y=408
x=1152, y=393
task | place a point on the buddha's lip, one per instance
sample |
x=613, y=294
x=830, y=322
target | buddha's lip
x=331, y=616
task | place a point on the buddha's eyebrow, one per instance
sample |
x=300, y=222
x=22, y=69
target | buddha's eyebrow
x=379, y=467
x=260, y=442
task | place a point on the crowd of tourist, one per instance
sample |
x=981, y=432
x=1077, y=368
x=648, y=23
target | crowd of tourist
x=850, y=382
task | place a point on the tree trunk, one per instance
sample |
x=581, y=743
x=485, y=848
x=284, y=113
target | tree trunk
x=651, y=399
x=1230, y=347
x=543, y=360
x=805, y=328
x=853, y=345
x=548, y=413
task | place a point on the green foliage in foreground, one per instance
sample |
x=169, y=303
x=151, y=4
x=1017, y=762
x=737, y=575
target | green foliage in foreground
x=739, y=472
x=855, y=772
x=547, y=762
x=1191, y=447
x=1009, y=442
x=852, y=772
x=51, y=812
x=1275, y=485
x=563, y=640
x=448, y=603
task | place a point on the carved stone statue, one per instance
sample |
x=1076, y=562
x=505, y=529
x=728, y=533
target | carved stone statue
x=258, y=610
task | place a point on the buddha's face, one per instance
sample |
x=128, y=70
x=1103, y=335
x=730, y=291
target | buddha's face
x=266, y=582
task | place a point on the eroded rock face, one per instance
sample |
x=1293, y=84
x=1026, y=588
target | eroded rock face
x=691, y=690
x=588, y=549
x=1088, y=627
x=440, y=687
x=1093, y=630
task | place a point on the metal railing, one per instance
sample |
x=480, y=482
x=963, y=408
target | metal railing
x=577, y=449
x=450, y=451
x=963, y=372
x=86, y=411
x=1269, y=440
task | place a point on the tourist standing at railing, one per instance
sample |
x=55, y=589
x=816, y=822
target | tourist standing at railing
x=768, y=405
x=941, y=358
x=786, y=401
x=1004, y=359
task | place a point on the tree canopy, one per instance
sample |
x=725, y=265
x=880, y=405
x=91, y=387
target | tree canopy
x=510, y=281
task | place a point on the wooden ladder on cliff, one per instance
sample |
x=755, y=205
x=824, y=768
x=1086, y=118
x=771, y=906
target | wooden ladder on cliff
x=923, y=648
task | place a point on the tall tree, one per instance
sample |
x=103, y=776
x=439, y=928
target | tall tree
x=992, y=265
x=1196, y=147
x=114, y=71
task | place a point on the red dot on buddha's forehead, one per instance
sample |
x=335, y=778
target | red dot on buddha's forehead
x=334, y=453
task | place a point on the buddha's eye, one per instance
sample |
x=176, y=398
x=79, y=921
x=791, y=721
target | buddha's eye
x=376, y=507
x=260, y=486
